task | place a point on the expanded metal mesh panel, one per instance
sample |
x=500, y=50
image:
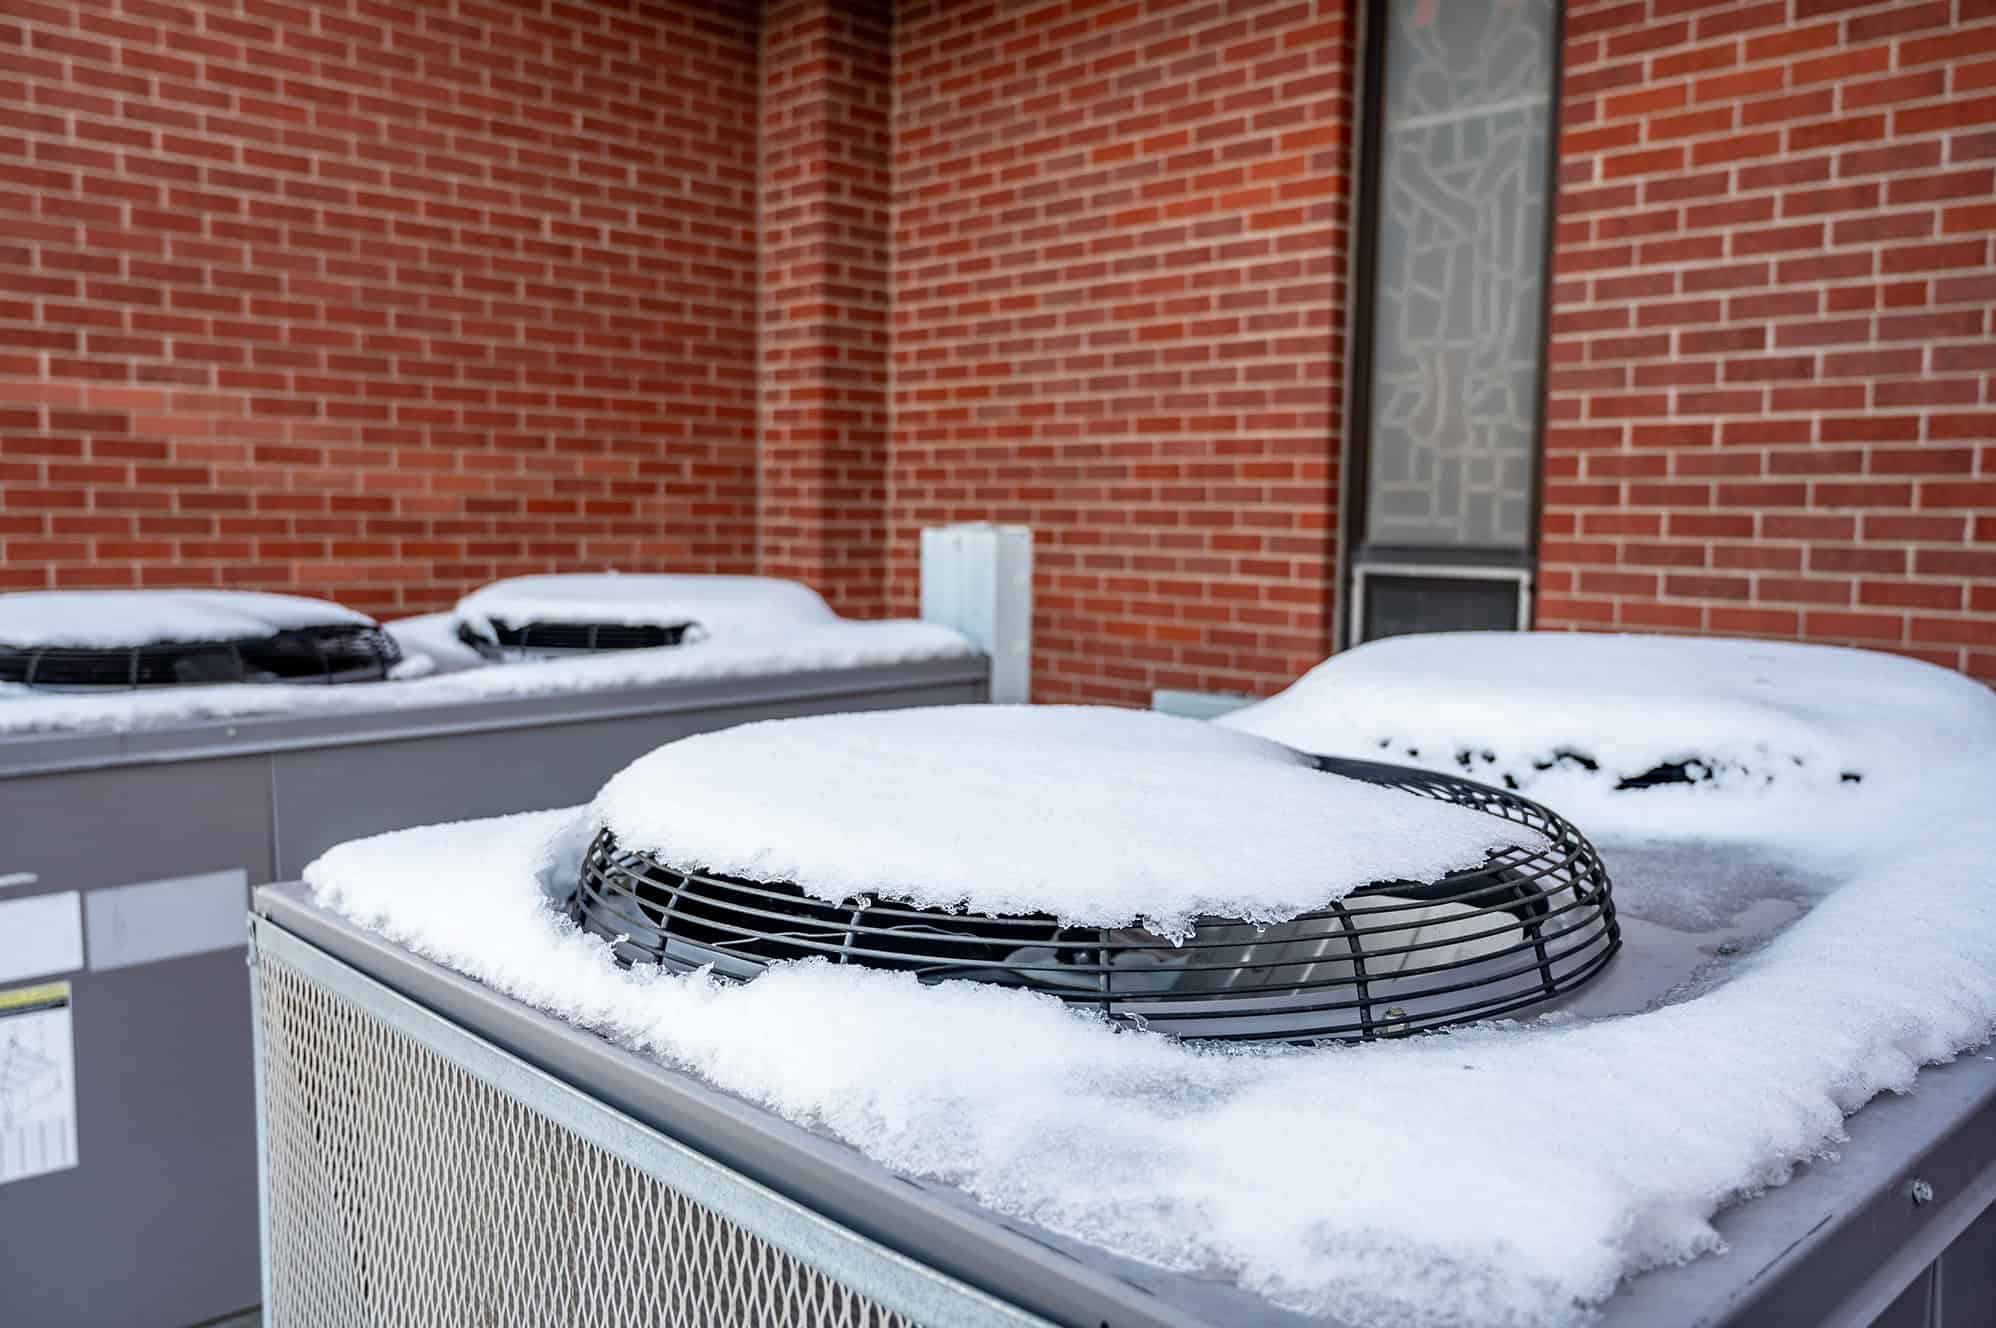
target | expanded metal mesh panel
x=405, y=1191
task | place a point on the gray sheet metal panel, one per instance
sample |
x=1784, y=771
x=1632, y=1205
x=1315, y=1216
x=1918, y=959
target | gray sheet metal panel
x=1043, y=1273
x=325, y=795
x=148, y=1227
x=1843, y=1240
x=1968, y=1276
x=165, y=1151
x=150, y=921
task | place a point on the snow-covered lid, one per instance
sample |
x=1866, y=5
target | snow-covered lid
x=1554, y=708
x=719, y=605
x=120, y=619
x=1099, y=817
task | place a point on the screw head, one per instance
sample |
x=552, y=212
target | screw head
x=1920, y=1192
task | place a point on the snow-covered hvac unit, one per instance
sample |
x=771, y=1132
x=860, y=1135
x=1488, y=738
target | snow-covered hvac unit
x=163, y=752
x=650, y=1144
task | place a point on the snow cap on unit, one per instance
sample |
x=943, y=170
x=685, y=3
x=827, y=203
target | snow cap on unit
x=123, y=619
x=1096, y=816
x=1587, y=722
x=719, y=606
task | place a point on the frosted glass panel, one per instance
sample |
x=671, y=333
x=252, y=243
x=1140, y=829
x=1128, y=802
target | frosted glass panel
x=1460, y=266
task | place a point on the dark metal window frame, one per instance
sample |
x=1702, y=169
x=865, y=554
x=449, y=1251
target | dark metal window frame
x=1355, y=558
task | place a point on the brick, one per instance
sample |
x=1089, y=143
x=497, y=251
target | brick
x=1825, y=625
x=1646, y=162
x=1956, y=113
x=1886, y=298
x=214, y=205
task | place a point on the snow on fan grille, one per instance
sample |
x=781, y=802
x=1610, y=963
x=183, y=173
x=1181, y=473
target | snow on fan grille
x=721, y=606
x=478, y=1208
x=1094, y=816
x=110, y=619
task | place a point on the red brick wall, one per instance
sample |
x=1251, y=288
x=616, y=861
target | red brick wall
x=826, y=181
x=1119, y=273
x=1774, y=389
x=383, y=300
x=372, y=299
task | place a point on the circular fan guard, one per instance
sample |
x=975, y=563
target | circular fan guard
x=1388, y=959
x=333, y=654
x=510, y=642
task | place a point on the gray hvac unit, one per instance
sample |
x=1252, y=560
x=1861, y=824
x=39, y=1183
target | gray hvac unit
x=436, y=1152
x=127, y=1118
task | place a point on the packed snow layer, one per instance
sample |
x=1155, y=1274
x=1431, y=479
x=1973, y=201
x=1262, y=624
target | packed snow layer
x=838, y=644
x=1569, y=719
x=721, y=606
x=115, y=619
x=433, y=636
x=1508, y=1174
x=1099, y=817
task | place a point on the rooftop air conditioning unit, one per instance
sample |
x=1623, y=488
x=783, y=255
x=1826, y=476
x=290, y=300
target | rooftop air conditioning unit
x=159, y=756
x=863, y=1026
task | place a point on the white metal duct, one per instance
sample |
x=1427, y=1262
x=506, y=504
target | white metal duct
x=978, y=578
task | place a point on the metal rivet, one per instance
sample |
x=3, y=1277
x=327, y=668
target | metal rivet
x=1920, y=1192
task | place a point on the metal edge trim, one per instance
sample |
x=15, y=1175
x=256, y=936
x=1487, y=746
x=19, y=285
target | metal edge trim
x=1826, y=1255
x=1869, y=1302
x=890, y=1279
x=262, y=1114
x=87, y=749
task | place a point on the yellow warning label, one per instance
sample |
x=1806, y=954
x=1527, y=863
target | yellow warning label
x=38, y=997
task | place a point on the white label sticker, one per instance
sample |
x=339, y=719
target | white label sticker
x=41, y=934
x=37, y=1082
x=154, y=920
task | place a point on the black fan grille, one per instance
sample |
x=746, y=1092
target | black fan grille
x=510, y=641
x=335, y=654
x=1388, y=959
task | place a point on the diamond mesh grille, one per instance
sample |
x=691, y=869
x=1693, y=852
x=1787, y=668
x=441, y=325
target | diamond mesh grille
x=405, y=1191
